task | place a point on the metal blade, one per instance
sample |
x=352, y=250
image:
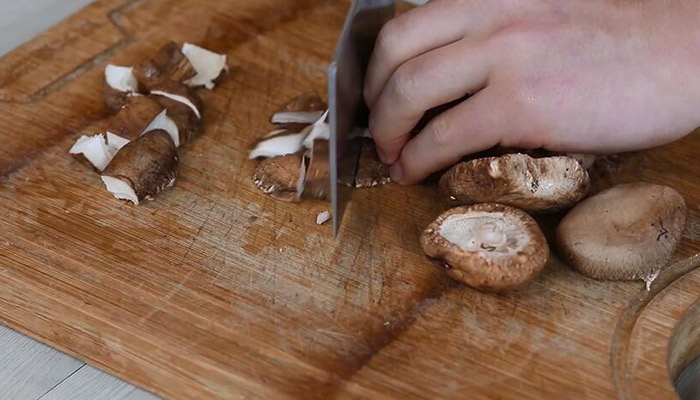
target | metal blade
x=348, y=111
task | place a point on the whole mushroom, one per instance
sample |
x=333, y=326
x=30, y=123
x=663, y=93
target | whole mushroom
x=487, y=246
x=626, y=232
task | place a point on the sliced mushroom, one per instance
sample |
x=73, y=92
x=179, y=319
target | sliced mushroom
x=169, y=64
x=97, y=150
x=142, y=168
x=208, y=65
x=184, y=107
x=121, y=83
x=626, y=232
x=305, y=109
x=282, y=177
x=319, y=130
x=318, y=176
x=371, y=171
x=164, y=122
x=538, y=185
x=487, y=246
x=133, y=119
x=277, y=143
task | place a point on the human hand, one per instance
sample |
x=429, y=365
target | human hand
x=598, y=76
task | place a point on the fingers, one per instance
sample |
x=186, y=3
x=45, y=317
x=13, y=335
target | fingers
x=415, y=32
x=477, y=124
x=433, y=79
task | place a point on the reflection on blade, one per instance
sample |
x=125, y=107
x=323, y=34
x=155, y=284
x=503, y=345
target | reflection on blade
x=348, y=112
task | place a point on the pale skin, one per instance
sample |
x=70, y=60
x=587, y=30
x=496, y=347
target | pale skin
x=585, y=76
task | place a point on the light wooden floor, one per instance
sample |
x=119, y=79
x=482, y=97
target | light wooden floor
x=30, y=370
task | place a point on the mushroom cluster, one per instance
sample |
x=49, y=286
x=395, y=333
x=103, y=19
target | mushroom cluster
x=156, y=110
x=624, y=233
x=294, y=155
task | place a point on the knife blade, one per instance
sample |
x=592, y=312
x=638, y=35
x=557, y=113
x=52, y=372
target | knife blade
x=348, y=113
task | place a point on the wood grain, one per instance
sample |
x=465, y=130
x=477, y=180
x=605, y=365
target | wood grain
x=216, y=291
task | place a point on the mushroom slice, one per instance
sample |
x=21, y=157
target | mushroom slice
x=180, y=93
x=96, y=150
x=487, y=246
x=625, y=232
x=318, y=176
x=208, y=65
x=133, y=119
x=164, y=122
x=371, y=171
x=279, y=144
x=282, y=177
x=142, y=168
x=116, y=141
x=168, y=64
x=533, y=184
x=320, y=130
x=323, y=217
x=121, y=83
x=304, y=109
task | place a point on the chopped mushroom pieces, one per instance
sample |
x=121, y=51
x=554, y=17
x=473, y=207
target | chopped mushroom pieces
x=98, y=150
x=533, y=184
x=623, y=233
x=169, y=64
x=132, y=120
x=282, y=177
x=142, y=168
x=323, y=217
x=121, y=84
x=487, y=246
x=371, y=171
x=208, y=65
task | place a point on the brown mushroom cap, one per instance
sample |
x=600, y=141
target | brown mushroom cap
x=532, y=184
x=623, y=233
x=281, y=177
x=168, y=64
x=487, y=246
x=318, y=177
x=371, y=171
x=134, y=117
x=148, y=165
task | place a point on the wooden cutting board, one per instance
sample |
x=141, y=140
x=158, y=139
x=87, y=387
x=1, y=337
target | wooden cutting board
x=214, y=290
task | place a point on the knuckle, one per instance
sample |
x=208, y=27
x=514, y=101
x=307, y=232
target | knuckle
x=441, y=132
x=389, y=35
x=404, y=84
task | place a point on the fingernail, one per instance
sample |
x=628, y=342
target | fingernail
x=395, y=172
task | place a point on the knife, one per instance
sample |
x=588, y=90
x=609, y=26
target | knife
x=348, y=113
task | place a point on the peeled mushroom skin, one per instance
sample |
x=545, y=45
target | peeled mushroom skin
x=490, y=246
x=281, y=177
x=623, y=233
x=371, y=171
x=318, y=175
x=134, y=117
x=168, y=64
x=146, y=166
x=538, y=185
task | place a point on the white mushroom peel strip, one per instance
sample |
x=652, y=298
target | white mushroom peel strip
x=162, y=121
x=278, y=146
x=120, y=189
x=319, y=130
x=121, y=79
x=181, y=99
x=207, y=64
x=323, y=217
x=296, y=117
x=98, y=150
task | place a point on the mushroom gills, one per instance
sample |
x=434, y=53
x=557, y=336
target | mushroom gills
x=208, y=65
x=490, y=232
x=282, y=177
